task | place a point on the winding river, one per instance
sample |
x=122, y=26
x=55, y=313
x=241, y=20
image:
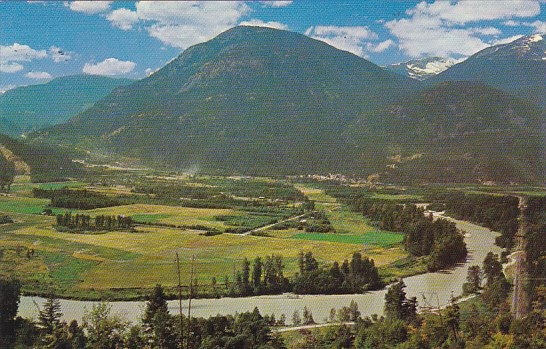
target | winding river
x=431, y=289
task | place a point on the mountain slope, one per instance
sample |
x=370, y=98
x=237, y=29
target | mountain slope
x=460, y=131
x=518, y=67
x=422, y=69
x=28, y=108
x=254, y=100
x=42, y=162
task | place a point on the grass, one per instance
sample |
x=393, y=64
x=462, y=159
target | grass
x=315, y=194
x=122, y=265
x=174, y=215
x=373, y=238
x=150, y=217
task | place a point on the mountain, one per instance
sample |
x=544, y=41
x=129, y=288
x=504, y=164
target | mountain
x=423, y=68
x=253, y=99
x=28, y=108
x=41, y=162
x=518, y=67
x=269, y=102
x=459, y=132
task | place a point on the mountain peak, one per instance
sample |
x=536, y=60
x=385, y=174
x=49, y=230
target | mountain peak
x=422, y=68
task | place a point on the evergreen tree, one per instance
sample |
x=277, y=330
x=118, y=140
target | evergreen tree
x=397, y=306
x=257, y=275
x=50, y=316
x=9, y=304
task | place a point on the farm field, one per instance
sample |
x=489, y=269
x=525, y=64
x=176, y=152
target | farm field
x=124, y=264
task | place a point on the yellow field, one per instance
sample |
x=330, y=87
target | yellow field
x=170, y=214
x=87, y=264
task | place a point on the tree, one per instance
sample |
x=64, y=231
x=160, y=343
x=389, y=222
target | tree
x=159, y=326
x=9, y=304
x=7, y=173
x=104, y=330
x=257, y=275
x=452, y=316
x=246, y=289
x=383, y=334
x=474, y=279
x=156, y=303
x=353, y=311
x=397, y=306
x=492, y=268
x=296, y=319
x=307, y=317
x=50, y=316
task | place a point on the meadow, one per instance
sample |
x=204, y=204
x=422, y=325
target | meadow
x=123, y=265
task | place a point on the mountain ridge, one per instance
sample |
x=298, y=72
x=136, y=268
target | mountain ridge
x=27, y=108
x=269, y=102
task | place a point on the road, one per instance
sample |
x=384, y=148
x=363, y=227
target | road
x=265, y=227
x=519, y=260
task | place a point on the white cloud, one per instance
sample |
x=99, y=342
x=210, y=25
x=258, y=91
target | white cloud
x=511, y=23
x=109, y=67
x=260, y=23
x=38, y=75
x=123, y=18
x=57, y=54
x=18, y=52
x=276, y=3
x=540, y=27
x=351, y=38
x=462, y=12
x=435, y=28
x=181, y=24
x=505, y=40
x=382, y=46
x=88, y=7
x=11, y=55
x=10, y=67
x=487, y=31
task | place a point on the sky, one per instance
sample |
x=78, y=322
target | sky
x=41, y=40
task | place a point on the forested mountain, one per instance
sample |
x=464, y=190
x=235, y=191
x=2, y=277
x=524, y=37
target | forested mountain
x=28, y=108
x=263, y=101
x=252, y=100
x=518, y=67
x=41, y=162
x=461, y=131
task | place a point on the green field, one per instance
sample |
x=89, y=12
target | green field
x=123, y=265
x=372, y=238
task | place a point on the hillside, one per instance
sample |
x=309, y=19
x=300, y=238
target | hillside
x=422, y=69
x=460, y=132
x=28, y=108
x=269, y=102
x=252, y=100
x=41, y=162
x=518, y=67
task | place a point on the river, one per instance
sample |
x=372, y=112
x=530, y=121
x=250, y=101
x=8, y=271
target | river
x=431, y=289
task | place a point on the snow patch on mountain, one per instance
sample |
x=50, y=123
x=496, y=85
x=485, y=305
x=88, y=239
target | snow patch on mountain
x=423, y=68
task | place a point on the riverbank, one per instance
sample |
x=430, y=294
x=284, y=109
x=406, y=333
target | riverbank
x=431, y=289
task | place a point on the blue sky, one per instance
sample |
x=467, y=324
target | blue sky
x=43, y=40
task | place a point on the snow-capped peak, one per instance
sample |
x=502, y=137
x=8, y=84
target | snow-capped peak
x=423, y=68
x=535, y=38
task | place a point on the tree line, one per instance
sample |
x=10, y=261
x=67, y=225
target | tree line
x=355, y=276
x=80, y=199
x=7, y=173
x=438, y=239
x=82, y=222
x=101, y=329
x=498, y=213
x=265, y=276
